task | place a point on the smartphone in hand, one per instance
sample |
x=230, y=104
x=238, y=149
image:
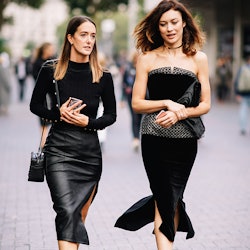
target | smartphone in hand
x=161, y=114
x=74, y=100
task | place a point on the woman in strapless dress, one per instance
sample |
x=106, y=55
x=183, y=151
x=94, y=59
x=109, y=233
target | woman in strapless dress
x=168, y=39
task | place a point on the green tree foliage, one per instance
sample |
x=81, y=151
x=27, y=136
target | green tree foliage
x=120, y=34
x=108, y=9
x=89, y=7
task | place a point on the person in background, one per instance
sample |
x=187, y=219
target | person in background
x=121, y=62
x=223, y=79
x=128, y=82
x=45, y=52
x=102, y=134
x=21, y=74
x=72, y=149
x=5, y=87
x=242, y=90
x=170, y=62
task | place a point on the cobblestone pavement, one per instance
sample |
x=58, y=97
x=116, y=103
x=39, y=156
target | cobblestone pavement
x=217, y=195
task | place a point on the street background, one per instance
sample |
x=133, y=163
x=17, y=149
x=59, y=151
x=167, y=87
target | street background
x=217, y=196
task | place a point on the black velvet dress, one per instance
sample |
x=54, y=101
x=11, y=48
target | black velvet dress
x=73, y=154
x=168, y=156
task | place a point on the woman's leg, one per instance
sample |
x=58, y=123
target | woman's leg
x=85, y=208
x=176, y=218
x=162, y=241
x=243, y=115
x=66, y=245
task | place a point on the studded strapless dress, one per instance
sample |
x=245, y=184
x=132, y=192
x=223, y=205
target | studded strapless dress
x=168, y=156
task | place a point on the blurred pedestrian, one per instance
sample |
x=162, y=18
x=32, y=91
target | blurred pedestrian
x=128, y=82
x=121, y=62
x=45, y=52
x=102, y=133
x=242, y=90
x=170, y=62
x=21, y=74
x=72, y=149
x=223, y=79
x=5, y=87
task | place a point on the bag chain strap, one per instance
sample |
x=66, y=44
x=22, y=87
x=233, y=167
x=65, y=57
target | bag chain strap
x=40, y=144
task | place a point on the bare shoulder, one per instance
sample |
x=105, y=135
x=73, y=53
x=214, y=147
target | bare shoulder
x=145, y=60
x=201, y=62
x=147, y=56
x=200, y=57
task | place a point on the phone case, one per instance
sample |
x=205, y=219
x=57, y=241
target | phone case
x=161, y=114
x=73, y=100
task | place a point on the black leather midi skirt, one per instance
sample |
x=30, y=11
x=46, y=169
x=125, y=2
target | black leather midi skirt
x=73, y=170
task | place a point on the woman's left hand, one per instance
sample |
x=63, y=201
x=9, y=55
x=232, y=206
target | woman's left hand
x=179, y=109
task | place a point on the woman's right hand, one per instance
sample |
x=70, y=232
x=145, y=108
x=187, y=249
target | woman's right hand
x=66, y=110
x=71, y=114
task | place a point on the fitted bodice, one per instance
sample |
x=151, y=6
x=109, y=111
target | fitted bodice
x=169, y=83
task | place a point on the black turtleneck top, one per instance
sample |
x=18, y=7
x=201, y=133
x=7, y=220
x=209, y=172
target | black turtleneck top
x=77, y=83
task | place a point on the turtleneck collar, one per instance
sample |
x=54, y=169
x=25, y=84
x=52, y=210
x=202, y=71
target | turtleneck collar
x=79, y=66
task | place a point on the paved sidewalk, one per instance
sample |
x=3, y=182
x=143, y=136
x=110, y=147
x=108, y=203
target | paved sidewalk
x=217, y=195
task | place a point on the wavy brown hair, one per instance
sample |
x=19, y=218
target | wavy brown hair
x=62, y=65
x=147, y=35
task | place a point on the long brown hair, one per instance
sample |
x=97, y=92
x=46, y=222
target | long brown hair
x=147, y=33
x=63, y=61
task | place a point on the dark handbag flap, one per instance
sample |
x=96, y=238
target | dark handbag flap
x=191, y=97
x=196, y=126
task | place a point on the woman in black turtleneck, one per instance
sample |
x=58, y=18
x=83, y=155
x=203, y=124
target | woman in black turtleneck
x=72, y=149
